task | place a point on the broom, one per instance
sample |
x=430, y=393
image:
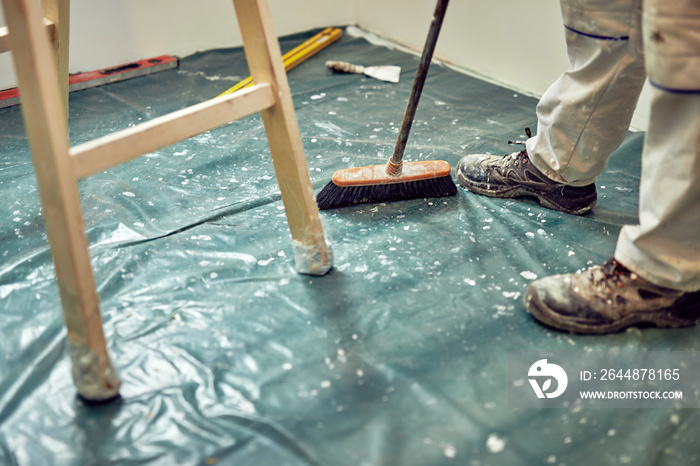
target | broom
x=396, y=181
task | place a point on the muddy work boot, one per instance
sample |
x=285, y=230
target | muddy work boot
x=606, y=299
x=514, y=175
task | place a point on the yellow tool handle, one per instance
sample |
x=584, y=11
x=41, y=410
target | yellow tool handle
x=298, y=54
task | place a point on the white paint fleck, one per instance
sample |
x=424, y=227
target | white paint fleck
x=527, y=275
x=469, y=281
x=326, y=384
x=128, y=194
x=287, y=366
x=449, y=450
x=495, y=444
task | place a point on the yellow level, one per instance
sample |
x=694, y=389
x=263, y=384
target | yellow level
x=298, y=54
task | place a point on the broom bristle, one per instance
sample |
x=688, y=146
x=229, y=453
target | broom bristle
x=333, y=196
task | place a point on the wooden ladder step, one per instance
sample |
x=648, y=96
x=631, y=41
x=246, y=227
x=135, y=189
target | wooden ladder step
x=121, y=146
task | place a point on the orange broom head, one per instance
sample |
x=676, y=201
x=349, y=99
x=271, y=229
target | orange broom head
x=377, y=175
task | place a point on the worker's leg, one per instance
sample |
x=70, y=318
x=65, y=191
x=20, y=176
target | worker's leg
x=582, y=118
x=665, y=246
x=655, y=276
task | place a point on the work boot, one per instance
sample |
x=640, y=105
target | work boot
x=515, y=175
x=606, y=299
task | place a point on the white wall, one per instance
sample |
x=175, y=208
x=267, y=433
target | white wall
x=517, y=43
x=514, y=42
x=110, y=32
x=520, y=43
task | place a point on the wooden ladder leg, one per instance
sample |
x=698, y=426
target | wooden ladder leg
x=312, y=253
x=58, y=11
x=46, y=126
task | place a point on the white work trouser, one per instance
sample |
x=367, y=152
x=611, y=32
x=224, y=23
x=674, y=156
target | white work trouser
x=584, y=116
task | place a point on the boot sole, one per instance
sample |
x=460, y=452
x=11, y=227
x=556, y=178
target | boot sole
x=548, y=316
x=512, y=192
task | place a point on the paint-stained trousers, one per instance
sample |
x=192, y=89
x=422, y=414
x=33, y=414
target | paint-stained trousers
x=583, y=117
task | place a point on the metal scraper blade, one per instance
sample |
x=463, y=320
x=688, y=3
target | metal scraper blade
x=384, y=73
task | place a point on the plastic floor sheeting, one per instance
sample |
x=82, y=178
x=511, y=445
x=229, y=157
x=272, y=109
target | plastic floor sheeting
x=397, y=357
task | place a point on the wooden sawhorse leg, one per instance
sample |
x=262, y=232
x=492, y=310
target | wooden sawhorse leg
x=47, y=129
x=58, y=12
x=311, y=251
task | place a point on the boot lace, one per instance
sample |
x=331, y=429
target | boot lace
x=517, y=158
x=614, y=273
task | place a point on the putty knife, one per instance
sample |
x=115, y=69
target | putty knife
x=383, y=73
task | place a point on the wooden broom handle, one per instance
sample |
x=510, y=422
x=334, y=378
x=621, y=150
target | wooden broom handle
x=418, y=82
